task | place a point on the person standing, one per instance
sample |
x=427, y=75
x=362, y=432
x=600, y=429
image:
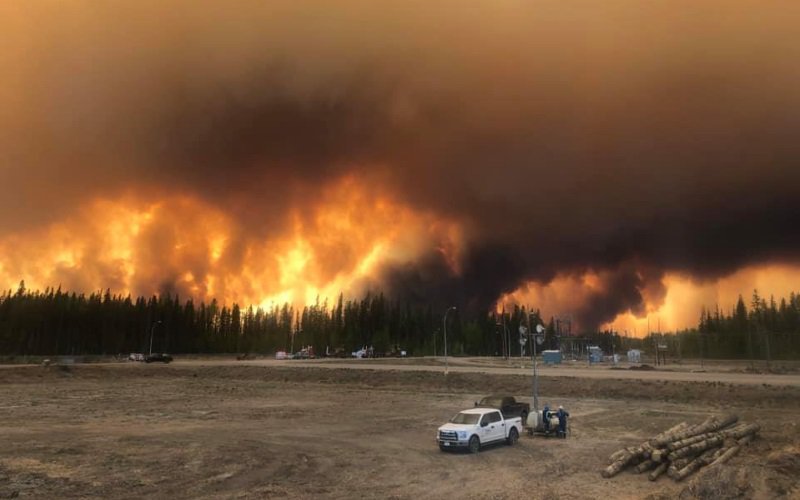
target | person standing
x=562, y=415
x=546, y=417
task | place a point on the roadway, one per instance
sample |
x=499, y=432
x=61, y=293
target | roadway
x=484, y=365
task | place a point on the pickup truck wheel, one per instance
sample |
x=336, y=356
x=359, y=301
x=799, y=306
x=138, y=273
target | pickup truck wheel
x=474, y=444
x=513, y=435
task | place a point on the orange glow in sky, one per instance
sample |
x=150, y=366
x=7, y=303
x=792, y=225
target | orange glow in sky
x=680, y=307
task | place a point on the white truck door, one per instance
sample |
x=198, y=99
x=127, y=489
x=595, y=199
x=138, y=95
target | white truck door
x=497, y=430
x=501, y=426
x=486, y=428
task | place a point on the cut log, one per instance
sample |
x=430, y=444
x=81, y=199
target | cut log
x=672, y=430
x=743, y=431
x=711, y=424
x=681, y=462
x=729, y=453
x=733, y=432
x=614, y=469
x=694, y=465
x=659, y=455
x=677, y=465
x=644, y=450
x=683, y=449
x=725, y=447
x=712, y=442
x=672, y=471
x=645, y=466
x=636, y=459
x=677, y=445
x=657, y=471
x=617, y=455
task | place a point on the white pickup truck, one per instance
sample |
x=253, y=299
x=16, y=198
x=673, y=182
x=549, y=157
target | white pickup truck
x=476, y=427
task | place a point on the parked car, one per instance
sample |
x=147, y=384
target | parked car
x=509, y=406
x=158, y=357
x=136, y=356
x=304, y=353
x=476, y=427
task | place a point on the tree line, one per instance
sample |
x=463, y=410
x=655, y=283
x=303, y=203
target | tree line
x=763, y=330
x=67, y=323
x=55, y=322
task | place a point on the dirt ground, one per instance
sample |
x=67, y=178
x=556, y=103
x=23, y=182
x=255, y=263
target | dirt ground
x=302, y=431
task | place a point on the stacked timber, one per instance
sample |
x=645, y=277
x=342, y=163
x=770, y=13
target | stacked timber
x=684, y=449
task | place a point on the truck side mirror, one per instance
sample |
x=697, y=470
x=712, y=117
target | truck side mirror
x=476, y=403
x=484, y=423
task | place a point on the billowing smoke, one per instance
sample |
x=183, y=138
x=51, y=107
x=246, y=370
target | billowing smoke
x=626, y=140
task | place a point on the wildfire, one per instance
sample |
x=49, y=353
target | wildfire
x=679, y=307
x=185, y=245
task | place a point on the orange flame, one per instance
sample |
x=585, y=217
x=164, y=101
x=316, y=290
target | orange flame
x=138, y=246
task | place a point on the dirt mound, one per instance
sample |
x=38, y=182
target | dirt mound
x=778, y=478
x=720, y=482
x=786, y=461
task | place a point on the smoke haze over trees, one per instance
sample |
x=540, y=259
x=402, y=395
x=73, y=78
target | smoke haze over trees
x=630, y=139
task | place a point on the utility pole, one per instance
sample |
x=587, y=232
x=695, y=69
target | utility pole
x=613, y=354
x=505, y=340
x=444, y=322
x=152, y=328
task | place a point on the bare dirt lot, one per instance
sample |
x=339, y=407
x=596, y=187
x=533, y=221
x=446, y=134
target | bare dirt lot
x=255, y=430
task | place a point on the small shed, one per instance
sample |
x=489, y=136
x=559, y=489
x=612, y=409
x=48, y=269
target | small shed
x=551, y=357
x=595, y=354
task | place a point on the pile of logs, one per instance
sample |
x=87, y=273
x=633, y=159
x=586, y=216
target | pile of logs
x=684, y=449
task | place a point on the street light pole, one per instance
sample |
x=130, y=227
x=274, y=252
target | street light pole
x=152, y=328
x=294, y=333
x=535, y=379
x=444, y=323
x=533, y=335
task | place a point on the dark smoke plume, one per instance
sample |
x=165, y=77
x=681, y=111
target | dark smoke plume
x=631, y=139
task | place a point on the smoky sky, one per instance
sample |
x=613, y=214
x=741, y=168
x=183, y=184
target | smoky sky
x=628, y=138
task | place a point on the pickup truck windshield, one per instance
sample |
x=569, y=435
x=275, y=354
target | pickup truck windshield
x=493, y=402
x=465, y=418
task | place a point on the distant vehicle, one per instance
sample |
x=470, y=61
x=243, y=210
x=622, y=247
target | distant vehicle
x=509, y=406
x=476, y=427
x=281, y=355
x=157, y=357
x=136, y=356
x=364, y=352
x=305, y=353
